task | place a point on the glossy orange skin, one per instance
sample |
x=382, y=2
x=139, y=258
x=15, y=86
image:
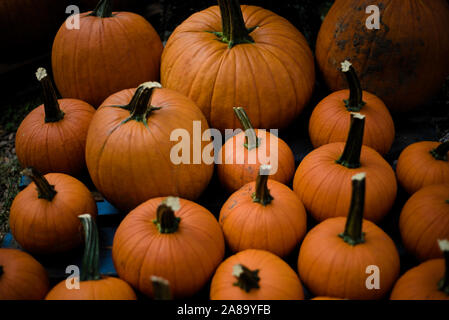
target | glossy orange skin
x=44, y=227
x=23, y=277
x=330, y=122
x=325, y=186
x=417, y=168
x=104, y=56
x=424, y=220
x=130, y=163
x=55, y=146
x=186, y=258
x=276, y=227
x=272, y=78
x=421, y=282
x=234, y=174
x=277, y=280
x=329, y=266
x=404, y=62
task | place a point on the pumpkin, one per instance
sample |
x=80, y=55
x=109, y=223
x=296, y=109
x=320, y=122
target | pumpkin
x=242, y=154
x=110, y=51
x=44, y=216
x=52, y=137
x=423, y=163
x=231, y=55
x=427, y=281
x=335, y=263
x=265, y=215
x=404, y=62
x=255, y=275
x=91, y=285
x=322, y=180
x=21, y=276
x=424, y=219
x=172, y=238
x=329, y=121
x=130, y=153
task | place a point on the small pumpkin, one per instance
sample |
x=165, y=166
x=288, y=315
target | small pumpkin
x=329, y=121
x=423, y=163
x=52, y=137
x=242, y=154
x=21, y=276
x=92, y=286
x=265, y=215
x=331, y=263
x=427, y=281
x=172, y=238
x=255, y=275
x=44, y=216
x=322, y=180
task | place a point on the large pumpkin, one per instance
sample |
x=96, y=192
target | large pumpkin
x=172, y=238
x=404, y=62
x=110, y=51
x=322, y=180
x=227, y=56
x=335, y=255
x=130, y=153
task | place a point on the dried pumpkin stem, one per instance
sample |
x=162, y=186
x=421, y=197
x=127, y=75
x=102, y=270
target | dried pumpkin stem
x=262, y=194
x=91, y=259
x=161, y=288
x=443, y=285
x=53, y=112
x=140, y=105
x=350, y=157
x=246, y=279
x=251, y=139
x=44, y=189
x=440, y=152
x=103, y=9
x=166, y=221
x=234, y=29
x=355, y=102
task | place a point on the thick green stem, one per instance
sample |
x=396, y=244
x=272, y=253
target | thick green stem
x=91, y=259
x=246, y=279
x=440, y=152
x=353, y=234
x=350, y=157
x=262, y=194
x=161, y=288
x=234, y=29
x=103, y=9
x=53, y=112
x=251, y=139
x=44, y=189
x=443, y=285
x=355, y=102
x=166, y=221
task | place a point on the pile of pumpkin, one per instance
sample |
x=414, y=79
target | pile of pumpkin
x=217, y=60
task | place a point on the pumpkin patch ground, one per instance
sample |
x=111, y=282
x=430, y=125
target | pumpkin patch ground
x=127, y=144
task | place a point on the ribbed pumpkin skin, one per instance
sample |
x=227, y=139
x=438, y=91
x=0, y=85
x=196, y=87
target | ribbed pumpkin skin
x=44, y=227
x=417, y=168
x=105, y=56
x=129, y=163
x=277, y=227
x=330, y=122
x=421, y=282
x=424, y=220
x=186, y=258
x=272, y=78
x=404, y=62
x=325, y=186
x=233, y=175
x=277, y=280
x=23, y=277
x=328, y=266
x=55, y=146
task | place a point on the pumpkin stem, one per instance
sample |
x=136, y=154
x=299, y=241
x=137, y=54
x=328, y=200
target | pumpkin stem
x=140, y=105
x=251, y=139
x=53, y=112
x=44, y=189
x=91, y=258
x=355, y=102
x=443, y=285
x=161, y=288
x=262, y=194
x=103, y=9
x=246, y=279
x=353, y=230
x=440, y=152
x=350, y=157
x=1, y=270
x=166, y=221
x=234, y=30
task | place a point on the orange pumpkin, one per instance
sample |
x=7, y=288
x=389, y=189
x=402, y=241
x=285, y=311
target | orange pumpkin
x=228, y=55
x=322, y=180
x=44, y=216
x=335, y=263
x=242, y=154
x=423, y=163
x=184, y=249
x=52, y=138
x=129, y=151
x=329, y=121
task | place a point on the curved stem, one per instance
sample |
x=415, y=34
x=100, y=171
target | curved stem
x=350, y=157
x=53, y=112
x=44, y=189
x=353, y=230
x=443, y=285
x=262, y=194
x=234, y=29
x=440, y=152
x=103, y=9
x=91, y=258
x=161, y=288
x=355, y=102
x=251, y=139
x=246, y=279
x=140, y=104
x=166, y=221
